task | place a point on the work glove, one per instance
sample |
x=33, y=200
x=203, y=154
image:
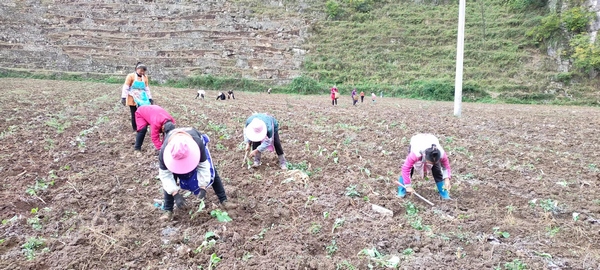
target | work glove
x=123, y=101
x=180, y=201
x=151, y=102
x=409, y=189
x=202, y=194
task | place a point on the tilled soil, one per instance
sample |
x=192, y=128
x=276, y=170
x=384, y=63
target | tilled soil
x=525, y=184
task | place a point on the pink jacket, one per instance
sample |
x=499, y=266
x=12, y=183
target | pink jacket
x=413, y=158
x=333, y=91
x=155, y=116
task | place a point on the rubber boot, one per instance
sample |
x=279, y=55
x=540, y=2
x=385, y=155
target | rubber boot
x=401, y=190
x=282, y=162
x=444, y=193
x=256, y=160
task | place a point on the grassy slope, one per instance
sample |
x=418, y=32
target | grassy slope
x=408, y=41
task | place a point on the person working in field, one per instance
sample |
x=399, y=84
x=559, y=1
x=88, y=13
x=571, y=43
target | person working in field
x=362, y=96
x=334, y=95
x=354, y=97
x=221, y=96
x=425, y=154
x=159, y=120
x=185, y=157
x=262, y=133
x=201, y=94
x=136, y=92
x=230, y=94
x=373, y=96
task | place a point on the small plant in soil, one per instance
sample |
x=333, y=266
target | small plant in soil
x=366, y=198
x=597, y=202
x=516, y=264
x=39, y=185
x=408, y=251
x=201, y=207
x=214, y=260
x=510, y=209
x=302, y=166
x=345, y=265
x=411, y=209
x=315, y=228
x=331, y=249
x=209, y=242
x=310, y=200
x=334, y=154
x=11, y=220
x=366, y=171
x=247, y=256
x=339, y=222
x=552, y=231
x=221, y=216
x=35, y=223
x=497, y=232
x=549, y=205
x=261, y=234
x=2, y=241
x=351, y=191
x=325, y=215
x=31, y=246
x=379, y=259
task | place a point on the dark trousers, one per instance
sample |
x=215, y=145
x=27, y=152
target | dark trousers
x=334, y=101
x=436, y=170
x=217, y=187
x=354, y=101
x=199, y=95
x=362, y=99
x=276, y=144
x=133, y=109
x=139, y=138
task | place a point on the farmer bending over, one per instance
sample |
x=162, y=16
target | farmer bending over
x=185, y=157
x=425, y=153
x=221, y=96
x=160, y=121
x=201, y=93
x=261, y=131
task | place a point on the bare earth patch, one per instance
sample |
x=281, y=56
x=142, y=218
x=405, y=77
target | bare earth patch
x=525, y=185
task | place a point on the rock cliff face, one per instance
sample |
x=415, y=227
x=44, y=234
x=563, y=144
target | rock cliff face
x=173, y=38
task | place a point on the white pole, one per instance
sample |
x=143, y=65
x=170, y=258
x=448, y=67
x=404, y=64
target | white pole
x=460, y=44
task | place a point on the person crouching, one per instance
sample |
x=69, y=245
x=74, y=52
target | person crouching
x=185, y=157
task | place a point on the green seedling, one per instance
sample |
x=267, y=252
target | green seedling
x=31, y=246
x=411, y=209
x=339, y=222
x=351, y=191
x=214, y=260
x=543, y=255
x=515, y=265
x=309, y=200
x=2, y=241
x=247, y=256
x=552, y=231
x=325, y=215
x=200, y=209
x=500, y=233
x=331, y=248
x=221, y=216
x=315, y=228
x=345, y=265
x=408, y=251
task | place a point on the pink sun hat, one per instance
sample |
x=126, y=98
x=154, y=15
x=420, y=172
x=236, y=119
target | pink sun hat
x=256, y=131
x=182, y=154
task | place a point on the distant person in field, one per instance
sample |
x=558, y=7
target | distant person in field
x=230, y=94
x=160, y=122
x=426, y=154
x=185, y=157
x=334, y=95
x=201, y=94
x=262, y=133
x=354, y=97
x=362, y=96
x=136, y=92
x=221, y=96
x=269, y=91
x=373, y=96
